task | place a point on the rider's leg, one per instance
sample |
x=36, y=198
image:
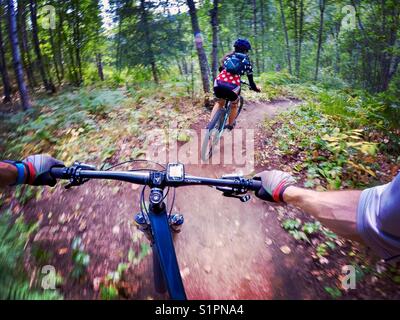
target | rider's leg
x=234, y=112
x=218, y=105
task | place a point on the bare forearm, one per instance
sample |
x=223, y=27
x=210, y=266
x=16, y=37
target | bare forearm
x=337, y=210
x=8, y=174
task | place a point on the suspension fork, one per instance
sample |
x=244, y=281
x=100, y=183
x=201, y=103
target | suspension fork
x=163, y=243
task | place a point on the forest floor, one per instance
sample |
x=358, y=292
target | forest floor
x=226, y=250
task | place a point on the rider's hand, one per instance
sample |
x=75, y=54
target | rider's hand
x=274, y=183
x=37, y=170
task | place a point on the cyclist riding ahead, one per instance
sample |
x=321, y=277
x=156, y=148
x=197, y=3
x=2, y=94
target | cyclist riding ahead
x=228, y=83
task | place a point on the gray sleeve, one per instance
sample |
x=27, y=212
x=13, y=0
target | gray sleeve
x=378, y=219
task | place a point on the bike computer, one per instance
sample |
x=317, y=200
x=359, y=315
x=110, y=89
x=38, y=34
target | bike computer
x=175, y=172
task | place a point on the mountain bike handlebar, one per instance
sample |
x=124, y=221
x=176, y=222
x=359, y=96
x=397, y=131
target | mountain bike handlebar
x=80, y=173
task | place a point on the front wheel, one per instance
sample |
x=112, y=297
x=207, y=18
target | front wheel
x=211, y=139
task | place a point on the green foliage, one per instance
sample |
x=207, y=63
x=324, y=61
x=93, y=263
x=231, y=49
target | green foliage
x=109, y=292
x=276, y=78
x=14, y=281
x=329, y=234
x=293, y=227
x=311, y=227
x=299, y=235
x=335, y=293
x=80, y=258
x=109, y=287
x=117, y=275
x=311, y=230
x=24, y=194
x=58, y=122
x=137, y=257
x=331, y=133
x=291, y=224
x=41, y=255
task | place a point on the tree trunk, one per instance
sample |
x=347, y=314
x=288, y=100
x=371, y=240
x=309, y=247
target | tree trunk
x=214, y=25
x=60, y=43
x=99, y=61
x=335, y=32
x=69, y=45
x=185, y=67
x=119, y=58
x=221, y=45
x=48, y=84
x=54, y=53
x=72, y=69
x=289, y=58
x=263, y=34
x=301, y=33
x=148, y=40
x=179, y=67
x=12, y=24
x=320, y=31
x=204, y=68
x=390, y=58
x=3, y=66
x=255, y=31
x=296, y=38
x=25, y=52
x=78, y=43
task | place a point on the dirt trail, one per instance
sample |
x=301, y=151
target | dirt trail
x=227, y=249
x=223, y=250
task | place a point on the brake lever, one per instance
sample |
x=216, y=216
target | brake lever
x=74, y=171
x=244, y=198
x=240, y=194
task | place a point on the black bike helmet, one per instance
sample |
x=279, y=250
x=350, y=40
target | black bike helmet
x=242, y=45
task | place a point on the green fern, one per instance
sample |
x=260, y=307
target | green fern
x=14, y=282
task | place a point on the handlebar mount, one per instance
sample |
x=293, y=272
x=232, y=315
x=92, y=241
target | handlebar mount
x=74, y=173
x=237, y=193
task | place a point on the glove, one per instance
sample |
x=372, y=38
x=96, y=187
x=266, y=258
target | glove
x=38, y=170
x=274, y=183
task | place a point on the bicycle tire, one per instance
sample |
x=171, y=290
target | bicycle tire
x=214, y=128
x=241, y=102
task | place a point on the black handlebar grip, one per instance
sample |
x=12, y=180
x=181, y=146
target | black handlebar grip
x=256, y=185
x=59, y=173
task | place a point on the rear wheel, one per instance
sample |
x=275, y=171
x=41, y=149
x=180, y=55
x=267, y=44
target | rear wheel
x=241, y=102
x=214, y=129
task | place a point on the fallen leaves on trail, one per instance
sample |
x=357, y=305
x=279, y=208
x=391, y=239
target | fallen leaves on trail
x=285, y=249
x=62, y=251
x=185, y=272
x=116, y=229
